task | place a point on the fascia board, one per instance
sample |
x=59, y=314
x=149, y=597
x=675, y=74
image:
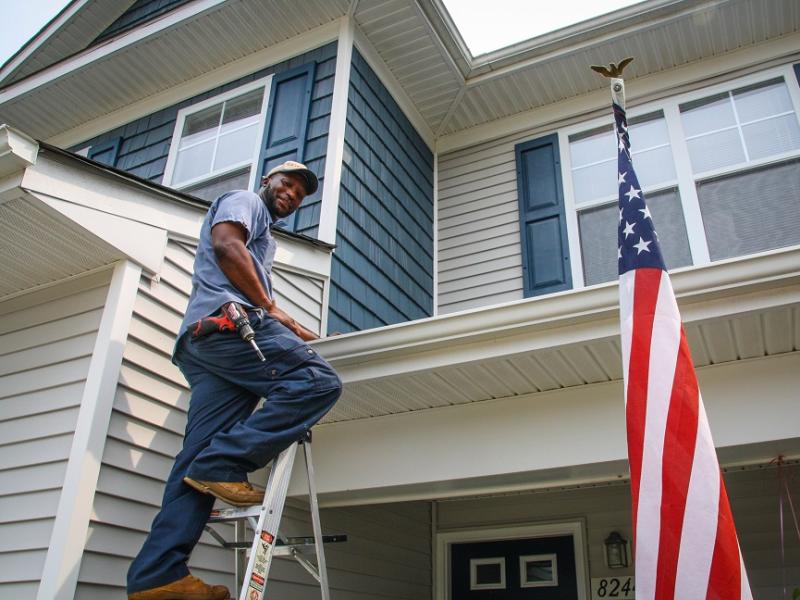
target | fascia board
x=143, y=244
x=720, y=289
x=114, y=45
x=114, y=196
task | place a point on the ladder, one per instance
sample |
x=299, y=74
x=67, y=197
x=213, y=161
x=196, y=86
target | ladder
x=267, y=542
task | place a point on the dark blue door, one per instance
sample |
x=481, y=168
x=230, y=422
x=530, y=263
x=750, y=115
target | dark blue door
x=526, y=569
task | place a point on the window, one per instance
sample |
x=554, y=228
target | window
x=720, y=169
x=216, y=142
x=593, y=162
x=743, y=146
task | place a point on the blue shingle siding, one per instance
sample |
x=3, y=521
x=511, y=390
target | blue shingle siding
x=382, y=269
x=144, y=144
x=139, y=13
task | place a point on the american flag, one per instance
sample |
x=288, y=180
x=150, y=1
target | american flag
x=684, y=536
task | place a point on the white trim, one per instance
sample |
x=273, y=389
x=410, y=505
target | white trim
x=571, y=214
x=60, y=572
x=435, y=234
x=169, y=169
x=331, y=184
x=445, y=539
x=17, y=150
x=231, y=72
x=395, y=89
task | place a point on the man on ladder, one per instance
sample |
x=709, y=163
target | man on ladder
x=232, y=300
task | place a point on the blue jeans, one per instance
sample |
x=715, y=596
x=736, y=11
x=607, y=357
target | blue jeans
x=224, y=438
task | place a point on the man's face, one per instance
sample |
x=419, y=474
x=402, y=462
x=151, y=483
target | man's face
x=283, y=193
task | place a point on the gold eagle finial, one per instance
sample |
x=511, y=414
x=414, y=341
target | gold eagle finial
x=613, y=70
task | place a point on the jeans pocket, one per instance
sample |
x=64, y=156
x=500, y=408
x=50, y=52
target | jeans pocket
x=288, y=360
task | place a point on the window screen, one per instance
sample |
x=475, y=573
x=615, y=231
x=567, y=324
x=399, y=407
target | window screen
x=752, y=211
x=598, y=230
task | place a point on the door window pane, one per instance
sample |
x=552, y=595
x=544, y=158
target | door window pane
x=539, y=570
x=487, y=573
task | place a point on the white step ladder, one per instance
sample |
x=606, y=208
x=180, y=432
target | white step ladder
x=251, y=581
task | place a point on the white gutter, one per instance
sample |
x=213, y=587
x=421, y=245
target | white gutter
x=725, y=287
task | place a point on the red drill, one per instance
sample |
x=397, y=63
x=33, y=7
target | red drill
x=231, y=316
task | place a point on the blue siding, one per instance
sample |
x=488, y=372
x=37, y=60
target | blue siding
x=144, y=143
x=382, y=269
x=139, y=12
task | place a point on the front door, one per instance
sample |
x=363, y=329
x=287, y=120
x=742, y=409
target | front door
x=541, y=568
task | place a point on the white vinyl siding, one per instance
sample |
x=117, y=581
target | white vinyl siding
x=387, y=554
x=47, y=338
x=479, y=261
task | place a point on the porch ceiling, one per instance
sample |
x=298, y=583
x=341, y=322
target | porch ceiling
x=450, y=89
x=737, y=310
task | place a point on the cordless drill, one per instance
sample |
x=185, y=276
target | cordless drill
x=231, y=317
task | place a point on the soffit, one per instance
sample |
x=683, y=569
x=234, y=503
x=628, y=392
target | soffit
x=72, y=36
x=217, y=37
x=39, y=246
x=527, y=348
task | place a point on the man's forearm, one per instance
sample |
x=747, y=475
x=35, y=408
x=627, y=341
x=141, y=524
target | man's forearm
x=237, y=265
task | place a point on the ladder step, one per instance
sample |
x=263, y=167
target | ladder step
x=292, y=542
x=234, y=513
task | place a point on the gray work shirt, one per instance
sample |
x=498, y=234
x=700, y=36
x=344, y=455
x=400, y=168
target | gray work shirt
x=210, y=287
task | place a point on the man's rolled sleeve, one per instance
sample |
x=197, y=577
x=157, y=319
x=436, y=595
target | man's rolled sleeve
x=239, y=207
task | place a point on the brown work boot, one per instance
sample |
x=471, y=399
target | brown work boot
x=188, y=588
x=238, y=493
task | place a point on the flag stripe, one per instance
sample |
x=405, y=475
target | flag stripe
x=644, y=301
x=725, y=578
x=679, y=445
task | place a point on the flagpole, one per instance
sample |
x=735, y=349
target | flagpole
x=685, y=542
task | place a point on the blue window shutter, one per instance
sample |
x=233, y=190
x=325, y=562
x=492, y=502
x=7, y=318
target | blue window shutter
x=797, y=72
x=543, y=228
x=287, y=120
x=106, y=152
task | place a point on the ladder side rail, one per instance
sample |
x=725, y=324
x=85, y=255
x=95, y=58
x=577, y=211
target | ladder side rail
x=322, y=567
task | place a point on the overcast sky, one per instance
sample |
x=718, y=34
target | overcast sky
x=485, y=25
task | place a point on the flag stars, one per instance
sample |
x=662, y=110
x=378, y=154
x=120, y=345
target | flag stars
x=642, y=246
x=621, y=178
x=621, y=145
x=645, y=212
x=619, y=252
x=628, y=229
x=633, y=193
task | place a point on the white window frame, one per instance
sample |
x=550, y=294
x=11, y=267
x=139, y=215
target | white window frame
x=687, y=181
x=444, y=540
x=524, y=583
x=169, y=169
x=473, y=573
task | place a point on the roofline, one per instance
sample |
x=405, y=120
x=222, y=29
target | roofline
x=8, y=68
x=168, y=193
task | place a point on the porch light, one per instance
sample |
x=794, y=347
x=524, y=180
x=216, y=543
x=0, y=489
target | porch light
x=616, y=551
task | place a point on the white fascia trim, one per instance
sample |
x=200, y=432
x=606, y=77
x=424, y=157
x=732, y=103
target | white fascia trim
x=729, y=280
x=36, y=42
x=338, y=122
x=225, y=74
x=577, y=529
x=114, y=45
x=60, y=574
x=657, y=86
x=395, y=89
x=435, y=234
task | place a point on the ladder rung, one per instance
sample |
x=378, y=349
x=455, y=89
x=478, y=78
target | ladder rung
x=292, y=542
x=221, y=515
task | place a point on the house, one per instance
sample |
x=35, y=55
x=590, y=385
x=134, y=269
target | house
x=462, y=241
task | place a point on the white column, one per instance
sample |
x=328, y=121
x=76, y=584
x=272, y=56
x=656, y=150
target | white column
x=60, y=574
x=335, y=151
